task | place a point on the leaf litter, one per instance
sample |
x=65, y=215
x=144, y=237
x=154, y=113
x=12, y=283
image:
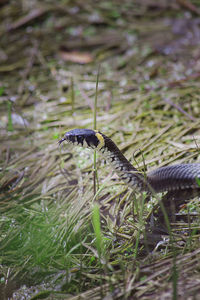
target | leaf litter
x=148, y=104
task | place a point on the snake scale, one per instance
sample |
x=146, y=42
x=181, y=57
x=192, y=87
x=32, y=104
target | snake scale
x=181, y=181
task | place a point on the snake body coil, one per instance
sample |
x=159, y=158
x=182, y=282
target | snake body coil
x=181, y=177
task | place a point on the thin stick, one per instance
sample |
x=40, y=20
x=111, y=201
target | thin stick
x=95, y=177
x=72, y=95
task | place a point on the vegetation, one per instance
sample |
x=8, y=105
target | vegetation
x=61, y=237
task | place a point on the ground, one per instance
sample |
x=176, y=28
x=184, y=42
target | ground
x=146, y=57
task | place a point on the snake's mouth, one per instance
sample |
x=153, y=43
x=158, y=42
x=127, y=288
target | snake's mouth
x=61, y=141
x=83, y=137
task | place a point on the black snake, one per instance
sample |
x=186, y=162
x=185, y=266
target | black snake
x=181, y=181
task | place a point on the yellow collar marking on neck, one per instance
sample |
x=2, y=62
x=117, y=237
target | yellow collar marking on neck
x=101, y=140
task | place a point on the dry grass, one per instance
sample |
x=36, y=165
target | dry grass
x=148, y=104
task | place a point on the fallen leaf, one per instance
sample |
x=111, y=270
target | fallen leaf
x=76, y=56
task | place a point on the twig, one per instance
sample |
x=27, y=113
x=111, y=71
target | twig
x=28, y=68
x=179, y=109
x=38, y=12
x=189, y=6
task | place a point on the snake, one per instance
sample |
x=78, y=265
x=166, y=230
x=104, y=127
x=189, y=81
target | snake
x=180, y=181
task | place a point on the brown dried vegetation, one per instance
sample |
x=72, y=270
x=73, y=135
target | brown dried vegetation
x=148, y=102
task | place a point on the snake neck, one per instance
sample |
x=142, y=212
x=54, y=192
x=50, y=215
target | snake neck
x=122, y=166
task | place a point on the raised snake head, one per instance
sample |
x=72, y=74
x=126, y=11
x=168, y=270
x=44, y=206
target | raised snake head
x=87, y=138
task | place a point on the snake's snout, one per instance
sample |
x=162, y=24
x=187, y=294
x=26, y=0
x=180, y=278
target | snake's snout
x=69, y=137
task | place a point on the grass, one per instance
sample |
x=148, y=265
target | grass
x=60, y=236
x=95, y=180
x=10, y=123
x=42, y=238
